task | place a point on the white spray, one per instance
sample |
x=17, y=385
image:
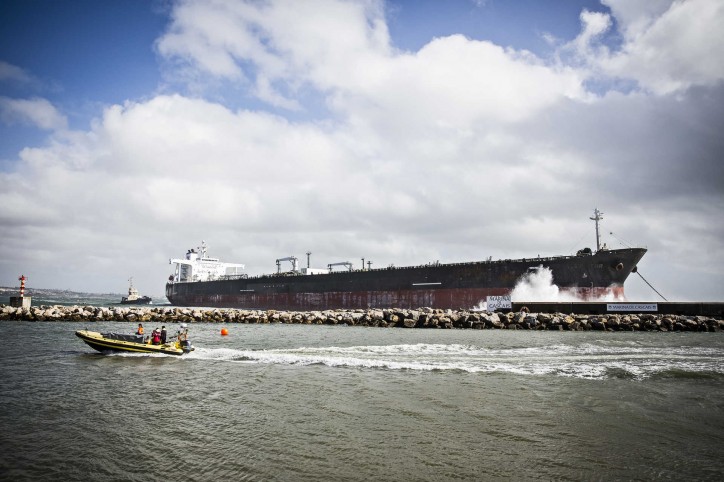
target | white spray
x=538, y=285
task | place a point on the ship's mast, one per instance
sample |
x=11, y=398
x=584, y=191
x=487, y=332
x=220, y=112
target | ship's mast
x=597, y=216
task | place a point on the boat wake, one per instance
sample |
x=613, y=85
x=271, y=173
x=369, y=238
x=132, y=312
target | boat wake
x=586, y=361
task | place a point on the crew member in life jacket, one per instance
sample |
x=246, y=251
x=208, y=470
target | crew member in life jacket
x=164, y=334
x=156, y=337
x=140, y=329
x=183, y=335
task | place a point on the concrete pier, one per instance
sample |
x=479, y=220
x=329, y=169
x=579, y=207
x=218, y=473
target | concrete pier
x=700, y=308
x=21, y=301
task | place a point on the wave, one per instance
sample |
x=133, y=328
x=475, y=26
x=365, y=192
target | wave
x=588, y=361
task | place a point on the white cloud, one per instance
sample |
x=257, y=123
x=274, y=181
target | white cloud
x=343, y=50
x=13, y=73
x=36, y=111
x=635, y=17
x=459, y=151
x=453, y=83
x=315, y=41
x=594, y=24
x=668, y=46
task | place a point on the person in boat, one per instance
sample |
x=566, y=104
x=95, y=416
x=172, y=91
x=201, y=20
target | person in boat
x=156, y=337
x=183, y=335
x=140, y=329
x=164, y=334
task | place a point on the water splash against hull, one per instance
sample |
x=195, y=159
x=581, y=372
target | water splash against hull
x=538, y=285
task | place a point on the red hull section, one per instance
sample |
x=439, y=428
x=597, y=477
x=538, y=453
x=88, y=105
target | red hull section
x=439, y=298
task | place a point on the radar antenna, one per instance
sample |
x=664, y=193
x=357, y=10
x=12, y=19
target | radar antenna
x=597, y=216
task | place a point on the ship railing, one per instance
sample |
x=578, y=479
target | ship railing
x=544, y=259
x=422, y=266
x=233, y=276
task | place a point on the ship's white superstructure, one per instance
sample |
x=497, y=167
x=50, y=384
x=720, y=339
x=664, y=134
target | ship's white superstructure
x=132, y=292
x=198, y=266
x=133, y=297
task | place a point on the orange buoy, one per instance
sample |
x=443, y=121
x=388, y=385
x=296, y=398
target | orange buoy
x=224, y=332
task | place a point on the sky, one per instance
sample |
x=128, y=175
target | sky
x=401, y=132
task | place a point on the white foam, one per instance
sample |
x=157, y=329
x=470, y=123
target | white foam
x=537, y=285
x=593, y=361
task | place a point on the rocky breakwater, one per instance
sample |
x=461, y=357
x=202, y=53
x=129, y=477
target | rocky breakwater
x=402, y=318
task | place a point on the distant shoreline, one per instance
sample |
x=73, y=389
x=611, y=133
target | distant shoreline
x=13, y=291
x=46, y=296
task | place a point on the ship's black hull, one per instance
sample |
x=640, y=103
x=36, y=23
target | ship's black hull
x=460, y=285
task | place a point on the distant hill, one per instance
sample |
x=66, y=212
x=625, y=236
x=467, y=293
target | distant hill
x=43, y=296
x=15, y=291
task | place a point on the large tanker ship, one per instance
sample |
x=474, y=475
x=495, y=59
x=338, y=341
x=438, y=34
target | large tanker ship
x=199, y=280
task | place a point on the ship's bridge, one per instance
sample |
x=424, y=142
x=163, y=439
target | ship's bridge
x=197, y=266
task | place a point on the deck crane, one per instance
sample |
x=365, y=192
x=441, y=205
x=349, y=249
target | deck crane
x=342, y=263
x=293, y=259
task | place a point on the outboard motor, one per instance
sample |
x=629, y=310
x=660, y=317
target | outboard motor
x=183, y=339
x=186, y=346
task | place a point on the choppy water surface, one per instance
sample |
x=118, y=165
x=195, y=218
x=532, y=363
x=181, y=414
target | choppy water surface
x=293, y=402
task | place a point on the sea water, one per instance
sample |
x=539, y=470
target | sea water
x=312, y=403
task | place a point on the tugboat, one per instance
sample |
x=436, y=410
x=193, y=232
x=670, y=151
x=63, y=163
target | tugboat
x=133, y=297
